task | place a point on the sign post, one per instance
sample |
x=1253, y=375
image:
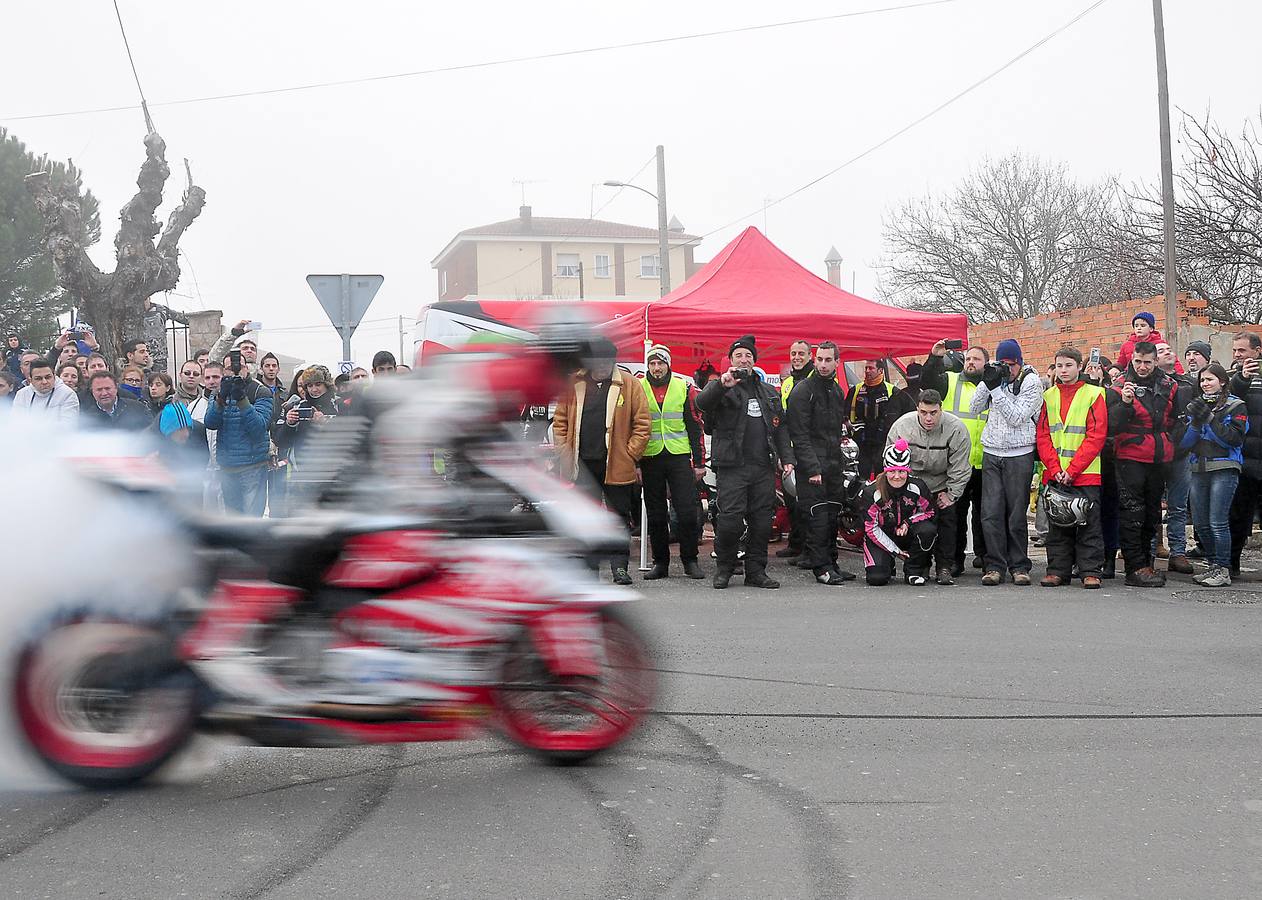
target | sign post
x=345, y=299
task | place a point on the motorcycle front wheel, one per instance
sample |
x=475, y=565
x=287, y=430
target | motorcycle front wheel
x=101, y=702
x=567, y=721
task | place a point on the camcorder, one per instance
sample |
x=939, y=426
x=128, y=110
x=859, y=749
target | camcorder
x=743, y=374
x=997, y=369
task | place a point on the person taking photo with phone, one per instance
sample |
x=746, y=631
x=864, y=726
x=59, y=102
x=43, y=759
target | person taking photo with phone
x=301, y=416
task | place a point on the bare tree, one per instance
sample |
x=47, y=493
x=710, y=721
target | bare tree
x=1016, y=238
x=1218, y=220
x=114, y=302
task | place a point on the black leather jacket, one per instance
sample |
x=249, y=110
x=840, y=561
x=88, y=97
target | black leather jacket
x=726, y=410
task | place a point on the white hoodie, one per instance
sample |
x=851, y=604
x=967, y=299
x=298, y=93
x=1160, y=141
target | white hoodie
x=60, y=405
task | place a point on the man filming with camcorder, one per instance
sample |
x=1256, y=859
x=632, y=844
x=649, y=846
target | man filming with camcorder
x=241, y=412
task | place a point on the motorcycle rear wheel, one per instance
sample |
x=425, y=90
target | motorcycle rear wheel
x=85, y=714
x=570, y=722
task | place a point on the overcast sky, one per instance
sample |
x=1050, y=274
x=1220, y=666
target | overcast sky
x=377, y=177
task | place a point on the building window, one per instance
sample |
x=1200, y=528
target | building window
x=602, y=265
x=567, y=265
x=650, y=266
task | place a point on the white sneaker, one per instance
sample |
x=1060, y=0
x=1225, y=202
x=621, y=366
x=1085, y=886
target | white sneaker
x=1218, y=577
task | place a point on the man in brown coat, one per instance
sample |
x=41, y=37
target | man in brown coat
x=600, y=428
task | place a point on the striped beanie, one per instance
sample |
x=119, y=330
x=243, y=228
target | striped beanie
x=660, y=351
x=898, y=457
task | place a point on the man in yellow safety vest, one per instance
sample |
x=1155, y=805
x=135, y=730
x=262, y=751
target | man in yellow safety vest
x=1070, y=436
x=957, y=390
x=800, y=368
x=674, y=459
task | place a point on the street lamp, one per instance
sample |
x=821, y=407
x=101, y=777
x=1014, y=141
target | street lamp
x=663, y=248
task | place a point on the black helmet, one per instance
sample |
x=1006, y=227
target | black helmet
x=567, y=334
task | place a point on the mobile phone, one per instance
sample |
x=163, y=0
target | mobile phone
x=253, y=326
x=1095, y=356
x=955, y=345
x=306, y=412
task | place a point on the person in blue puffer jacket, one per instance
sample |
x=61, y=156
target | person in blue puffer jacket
x=241, y=413
x=1217, y=424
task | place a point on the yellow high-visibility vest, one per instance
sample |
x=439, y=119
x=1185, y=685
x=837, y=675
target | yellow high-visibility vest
x=668, y=430
x=958, y=397
x=786, y=388
x=1068, y=432
x=854, y=407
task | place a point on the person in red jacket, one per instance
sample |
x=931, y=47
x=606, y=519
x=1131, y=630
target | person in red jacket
x=1143, y=328
x=1146, y=422
x=1074, y=467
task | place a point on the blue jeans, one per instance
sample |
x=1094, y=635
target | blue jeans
x=1211, y=502
x=1177, y=483
x=245, y=488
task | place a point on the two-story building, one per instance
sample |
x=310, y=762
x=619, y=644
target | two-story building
x=560, y=259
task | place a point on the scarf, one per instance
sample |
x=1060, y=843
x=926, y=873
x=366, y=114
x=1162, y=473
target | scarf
x=659, y=382
x=879, y=378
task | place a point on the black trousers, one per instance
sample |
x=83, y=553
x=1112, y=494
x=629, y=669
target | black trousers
x=1082, y=545
x=946, y=521
x=1244, y=511
x=918, y=543
x=618, y=499
x=798, y=523
x=1109, y=524
x=819, y=505
x=746, y=494
x=970, y=500
x=673, y=471
x=1139, y=489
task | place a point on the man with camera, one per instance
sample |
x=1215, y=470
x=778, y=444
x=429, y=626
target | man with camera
x=1145, y=419
x=1246, y=383
x=240, y=413
x=750, y=438
x=1011, y=393
x=299, y=419
x=956, y=384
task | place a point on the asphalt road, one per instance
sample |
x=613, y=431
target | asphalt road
x=812, y=742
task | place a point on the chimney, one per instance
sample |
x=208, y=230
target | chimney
x=524, y=212
x=833, y=262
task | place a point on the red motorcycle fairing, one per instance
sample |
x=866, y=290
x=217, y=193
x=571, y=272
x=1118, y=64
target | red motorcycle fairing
x=384, y=560
x=232, y=609
x=568, y=641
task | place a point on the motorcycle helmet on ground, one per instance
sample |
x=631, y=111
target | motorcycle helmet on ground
x=1066, y=507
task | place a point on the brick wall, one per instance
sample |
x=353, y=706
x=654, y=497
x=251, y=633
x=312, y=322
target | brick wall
x=1105, y=326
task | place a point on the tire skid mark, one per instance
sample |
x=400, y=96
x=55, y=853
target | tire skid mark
x=819, y=836
x=375, y=770
x=76, y=811
x=688, y=877
x=620, y=883
x=342, y=824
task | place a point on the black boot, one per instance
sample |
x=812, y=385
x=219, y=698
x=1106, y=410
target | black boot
x=659, y=570
x=721, y=578
x=760, y=580
x=692, y=569
x=1110, y=564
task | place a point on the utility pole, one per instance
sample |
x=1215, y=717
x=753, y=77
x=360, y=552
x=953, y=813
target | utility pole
x=1167, y=179
x=402, y=356
x=663, y=247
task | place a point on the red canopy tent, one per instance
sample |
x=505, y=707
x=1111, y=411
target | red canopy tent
x=752, y=287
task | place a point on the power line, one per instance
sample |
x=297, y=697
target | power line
x=917, y=121
x=566, y=238
x=144, y=106
x=484, y=64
